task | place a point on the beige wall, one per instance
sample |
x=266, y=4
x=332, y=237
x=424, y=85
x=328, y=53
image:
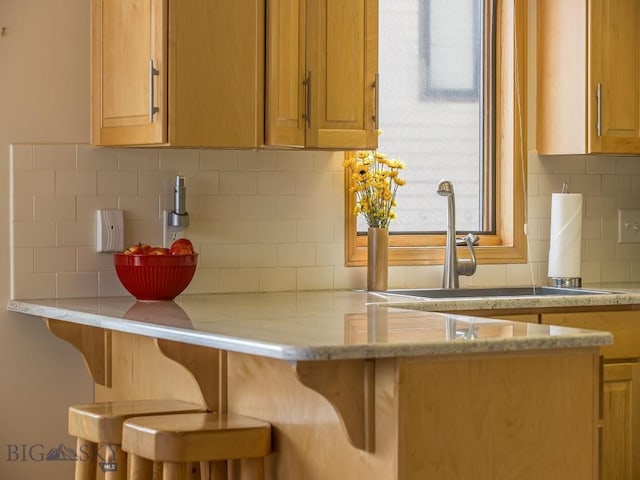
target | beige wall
x=44, y=76
x=261, y=220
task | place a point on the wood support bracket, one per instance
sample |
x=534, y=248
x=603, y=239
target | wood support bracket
x=207, y=365
x=349, y=385
x=93, y=343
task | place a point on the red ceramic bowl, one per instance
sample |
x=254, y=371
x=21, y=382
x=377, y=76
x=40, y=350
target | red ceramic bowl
x=155, y=277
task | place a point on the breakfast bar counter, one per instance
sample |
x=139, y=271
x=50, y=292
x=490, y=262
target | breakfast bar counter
x=355, y=388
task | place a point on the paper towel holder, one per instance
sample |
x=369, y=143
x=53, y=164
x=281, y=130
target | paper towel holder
x=565, y=282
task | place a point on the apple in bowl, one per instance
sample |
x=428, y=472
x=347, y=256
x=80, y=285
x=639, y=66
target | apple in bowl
x=181, y=246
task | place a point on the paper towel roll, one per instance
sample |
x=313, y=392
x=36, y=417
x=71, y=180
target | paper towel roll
x=566, y=235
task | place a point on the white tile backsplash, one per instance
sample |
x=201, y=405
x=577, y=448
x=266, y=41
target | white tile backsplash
x=266, y=220
x=54, y=259
x=54, y=157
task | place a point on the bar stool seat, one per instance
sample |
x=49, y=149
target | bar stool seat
x=208, y=439
x=98, y=429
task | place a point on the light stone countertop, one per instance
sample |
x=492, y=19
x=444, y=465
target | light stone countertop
x=318, y=325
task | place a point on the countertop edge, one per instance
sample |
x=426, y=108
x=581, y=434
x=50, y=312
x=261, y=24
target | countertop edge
x=579, y=339
x=506, y=303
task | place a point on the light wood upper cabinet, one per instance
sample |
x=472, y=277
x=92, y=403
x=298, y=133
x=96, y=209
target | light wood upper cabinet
x=188, y=73
x=322, y=60
x=588, y=61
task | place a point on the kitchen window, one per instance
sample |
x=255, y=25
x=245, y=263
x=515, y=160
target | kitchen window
x=471, y=130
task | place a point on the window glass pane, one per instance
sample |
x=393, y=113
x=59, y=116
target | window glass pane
x=432, y=123
x=451, y=43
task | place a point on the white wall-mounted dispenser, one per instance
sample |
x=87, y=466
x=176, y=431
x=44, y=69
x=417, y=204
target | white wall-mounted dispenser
x=109, y=230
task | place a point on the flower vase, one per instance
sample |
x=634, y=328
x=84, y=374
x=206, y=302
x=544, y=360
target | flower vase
x=377, y=259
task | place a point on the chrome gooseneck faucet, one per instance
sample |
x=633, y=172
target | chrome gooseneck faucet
x=453, y=267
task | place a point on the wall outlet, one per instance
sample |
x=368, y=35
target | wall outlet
x=109, y=231
x=628, y=226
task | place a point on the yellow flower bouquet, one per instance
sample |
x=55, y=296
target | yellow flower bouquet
x=375, y=183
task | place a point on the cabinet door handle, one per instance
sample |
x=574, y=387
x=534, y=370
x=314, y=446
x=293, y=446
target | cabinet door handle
x=376, y=113
x=307, y=114
x=599, y=109
x=152, y=72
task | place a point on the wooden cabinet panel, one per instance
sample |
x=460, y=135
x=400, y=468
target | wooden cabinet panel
x=126, y=37
x=322, y=60
x=588, y=103
x=285, y=72
x=342, y=56
x=615, y=59
x=621, y=421
x=623, y=325
x=216, y=60
x=620, y=385
x=192, y=73
x=505, y=412
x=205, y=86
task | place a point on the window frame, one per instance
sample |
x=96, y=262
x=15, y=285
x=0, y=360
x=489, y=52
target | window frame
x=508, y=244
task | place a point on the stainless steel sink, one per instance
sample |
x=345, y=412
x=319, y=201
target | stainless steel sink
x=473, y=292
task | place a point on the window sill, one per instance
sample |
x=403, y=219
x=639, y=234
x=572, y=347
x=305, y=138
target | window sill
x=402, y=253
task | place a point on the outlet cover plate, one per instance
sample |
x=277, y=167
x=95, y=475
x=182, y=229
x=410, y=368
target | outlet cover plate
x=629, y=226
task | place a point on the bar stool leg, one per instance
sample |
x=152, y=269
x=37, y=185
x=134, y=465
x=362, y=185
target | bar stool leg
x=193, y=469
x=175, y=471
x=217, y=470
x=233, y=467
x=252, y=469
x=140, y=468
x=119, y=458
x=85, y=468
x=157, y=471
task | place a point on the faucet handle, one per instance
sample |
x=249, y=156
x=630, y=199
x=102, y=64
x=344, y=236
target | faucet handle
x=468, y=267
x=468, y=239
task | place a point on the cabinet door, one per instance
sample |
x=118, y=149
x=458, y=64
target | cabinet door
x=342, y=62
x=621, y=422
x=285, y=73
x=129, y=72
x=322, y=60
x=216, y=73
x=615, y=74
x=561, y=71
x=588, y=76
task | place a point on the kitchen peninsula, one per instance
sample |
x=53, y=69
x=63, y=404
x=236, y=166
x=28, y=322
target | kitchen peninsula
x=353, y=388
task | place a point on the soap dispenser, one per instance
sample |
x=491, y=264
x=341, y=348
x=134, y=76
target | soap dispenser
x=177, y=220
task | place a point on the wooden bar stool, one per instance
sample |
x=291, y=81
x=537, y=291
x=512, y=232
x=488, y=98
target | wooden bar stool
x=208, y=439
x=98, y=429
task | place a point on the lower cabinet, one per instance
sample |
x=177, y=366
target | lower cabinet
x=620, y=404
x=620, y=440
x=621, y=421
